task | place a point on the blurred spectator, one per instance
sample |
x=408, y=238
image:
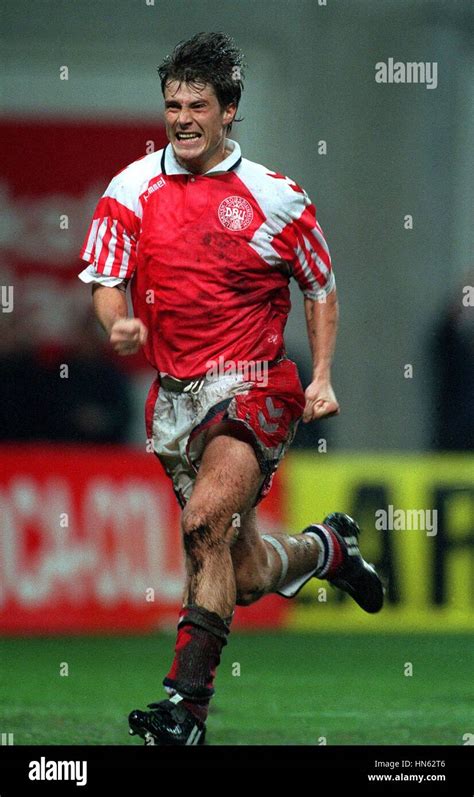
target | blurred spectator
x=86, y=396
x=19, y=382
x=79, y=396
x=453, y=366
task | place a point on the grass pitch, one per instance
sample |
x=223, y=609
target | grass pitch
x=292, y=688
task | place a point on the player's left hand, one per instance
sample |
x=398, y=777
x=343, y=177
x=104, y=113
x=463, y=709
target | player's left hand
x=321, y=401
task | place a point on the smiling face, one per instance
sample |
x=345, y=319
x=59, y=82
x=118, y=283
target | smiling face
x=196, y=125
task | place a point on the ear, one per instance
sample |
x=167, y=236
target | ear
x=229, y=113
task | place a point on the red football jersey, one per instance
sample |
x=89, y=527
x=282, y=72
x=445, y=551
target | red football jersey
x=209, y=257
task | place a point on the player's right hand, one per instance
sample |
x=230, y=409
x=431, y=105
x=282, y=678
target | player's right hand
x=127, y=335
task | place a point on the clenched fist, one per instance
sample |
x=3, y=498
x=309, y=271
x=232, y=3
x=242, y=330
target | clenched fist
x=320, y=401
x=127, y=335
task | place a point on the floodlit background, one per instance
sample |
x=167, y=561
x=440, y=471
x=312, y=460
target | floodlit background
x=88, y=524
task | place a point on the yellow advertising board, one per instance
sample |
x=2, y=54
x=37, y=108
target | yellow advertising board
x=417, y=518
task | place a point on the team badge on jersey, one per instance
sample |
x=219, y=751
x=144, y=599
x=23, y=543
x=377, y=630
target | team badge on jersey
x=235, y=213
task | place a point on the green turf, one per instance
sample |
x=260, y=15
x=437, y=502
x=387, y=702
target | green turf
x=292, y=689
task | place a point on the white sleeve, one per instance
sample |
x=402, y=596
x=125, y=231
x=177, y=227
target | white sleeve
x=90, y=274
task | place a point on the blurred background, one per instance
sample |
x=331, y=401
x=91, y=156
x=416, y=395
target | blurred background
x=89, y=530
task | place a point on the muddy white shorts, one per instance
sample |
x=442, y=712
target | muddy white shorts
x=179, y=415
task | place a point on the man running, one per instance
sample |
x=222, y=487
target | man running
x=209, y=242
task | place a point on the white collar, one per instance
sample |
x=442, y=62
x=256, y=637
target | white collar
x=169, y=164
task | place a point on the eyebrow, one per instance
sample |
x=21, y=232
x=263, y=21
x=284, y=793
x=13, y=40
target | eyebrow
x=169, y=103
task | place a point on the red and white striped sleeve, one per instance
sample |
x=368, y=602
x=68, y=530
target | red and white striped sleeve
x=110, y=246
x=311, y=262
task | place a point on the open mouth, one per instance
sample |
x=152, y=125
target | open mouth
x=187, y=136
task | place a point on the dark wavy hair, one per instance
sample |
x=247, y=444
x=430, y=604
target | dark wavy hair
x=211, y=58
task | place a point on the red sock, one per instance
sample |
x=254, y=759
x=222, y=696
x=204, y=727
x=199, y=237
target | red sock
x=201, y=636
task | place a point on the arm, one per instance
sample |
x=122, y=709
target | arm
x=321, y=323
x=126, y=335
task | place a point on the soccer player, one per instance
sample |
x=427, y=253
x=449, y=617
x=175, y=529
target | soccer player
x=209, y=241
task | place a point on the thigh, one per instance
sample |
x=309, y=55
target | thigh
x=228, y=480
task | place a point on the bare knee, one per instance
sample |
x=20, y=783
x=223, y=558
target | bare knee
x=203, y=531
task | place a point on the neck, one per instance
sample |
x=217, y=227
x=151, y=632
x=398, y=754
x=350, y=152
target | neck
x=200, y=167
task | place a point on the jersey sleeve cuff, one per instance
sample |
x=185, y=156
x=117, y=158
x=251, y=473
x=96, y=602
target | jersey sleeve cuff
x=90, y=274
x=317, y=294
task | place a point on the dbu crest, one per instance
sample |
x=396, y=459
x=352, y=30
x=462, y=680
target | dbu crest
x=235, y=213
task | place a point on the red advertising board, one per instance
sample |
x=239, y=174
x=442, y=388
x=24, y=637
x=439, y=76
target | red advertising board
x=90, y=542
x=53, y=174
